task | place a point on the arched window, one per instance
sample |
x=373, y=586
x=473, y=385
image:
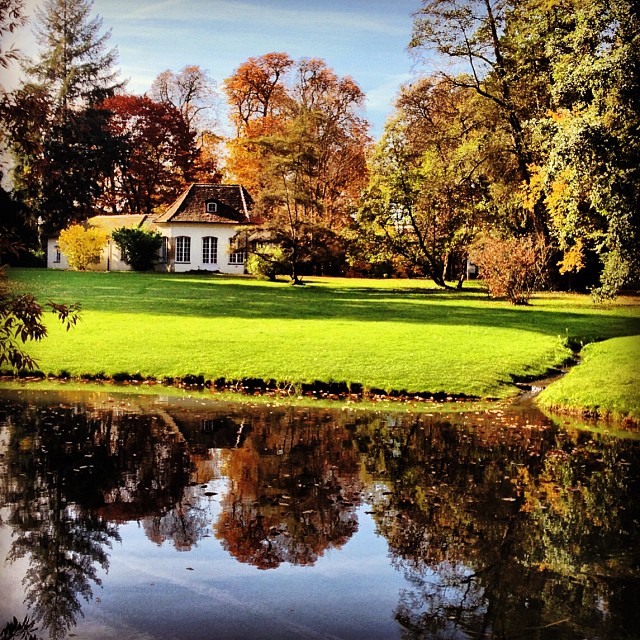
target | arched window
x=183, y=249
x=209, y=250
x=211, y=207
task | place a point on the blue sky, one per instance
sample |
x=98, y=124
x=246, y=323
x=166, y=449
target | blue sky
x=365, y=39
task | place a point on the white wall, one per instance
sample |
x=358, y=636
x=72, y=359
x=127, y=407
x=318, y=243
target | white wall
x=195, y=231
x=52, y=262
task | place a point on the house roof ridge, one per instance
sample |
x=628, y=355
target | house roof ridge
x=175, y=207
x=244, y=202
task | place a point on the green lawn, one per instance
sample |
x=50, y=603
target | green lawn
x=389, y=335
x=606, y=383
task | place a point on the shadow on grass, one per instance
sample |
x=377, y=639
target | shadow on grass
x=218, y=296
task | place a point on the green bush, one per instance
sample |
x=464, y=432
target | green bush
x=139, y=247
x=268, y=264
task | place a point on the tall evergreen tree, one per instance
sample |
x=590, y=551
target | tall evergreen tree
x=56, y=126
x=74, y=62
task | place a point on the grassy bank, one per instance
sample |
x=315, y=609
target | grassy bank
x=605, y=384
x=387, y=335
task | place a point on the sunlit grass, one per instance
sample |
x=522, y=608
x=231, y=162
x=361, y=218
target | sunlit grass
x=606, y=383
x=382, y=334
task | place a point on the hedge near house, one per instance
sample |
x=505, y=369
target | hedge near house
x=139, y=247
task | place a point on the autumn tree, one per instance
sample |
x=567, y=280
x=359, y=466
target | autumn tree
x=513, y=267
x=157, y=153
x=257, y=89
x=300, y=149
x=468, y=37
x=12, y=17
x=426, y=177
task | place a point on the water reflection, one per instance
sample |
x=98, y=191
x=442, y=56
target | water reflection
x=503, y=525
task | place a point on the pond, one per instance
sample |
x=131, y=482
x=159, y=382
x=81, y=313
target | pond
x=150, y=517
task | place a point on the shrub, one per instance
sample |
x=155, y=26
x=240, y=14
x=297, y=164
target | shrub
x=512, y=267
x=268, y=263
x=139, y=247
x=82, y=246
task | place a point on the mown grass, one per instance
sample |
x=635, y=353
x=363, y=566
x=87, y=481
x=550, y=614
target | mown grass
x=387, y=335
x=605, y=384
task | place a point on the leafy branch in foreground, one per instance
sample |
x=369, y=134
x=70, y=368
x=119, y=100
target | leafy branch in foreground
x=21, y=320
x=16, y=630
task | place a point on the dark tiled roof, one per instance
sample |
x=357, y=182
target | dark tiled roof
x=233, y=205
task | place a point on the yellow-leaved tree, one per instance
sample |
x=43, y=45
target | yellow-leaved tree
x=81, y=246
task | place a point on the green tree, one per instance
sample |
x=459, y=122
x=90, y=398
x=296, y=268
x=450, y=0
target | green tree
x=425, y=180
x=57, y=134
x=74, y=63
x=558, y=83
x=139, y=247
x=589, y=160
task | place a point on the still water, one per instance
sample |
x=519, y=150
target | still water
x=126, y=516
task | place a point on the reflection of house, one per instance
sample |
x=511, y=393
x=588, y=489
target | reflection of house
x=202, y=230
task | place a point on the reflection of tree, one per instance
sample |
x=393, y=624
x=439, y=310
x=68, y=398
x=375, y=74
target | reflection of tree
x=496, y=537
x=184, y=524
x=293, y=490
x=67, y=473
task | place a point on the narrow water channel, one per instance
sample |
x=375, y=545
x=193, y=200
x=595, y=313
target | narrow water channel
x=123, y=516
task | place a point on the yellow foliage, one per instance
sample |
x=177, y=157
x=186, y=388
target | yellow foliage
x=573, y=259
x=81, y=246
x=558, y=116
x=530, y=192
x=559, y=197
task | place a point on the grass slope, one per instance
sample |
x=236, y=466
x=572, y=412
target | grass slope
x=606, y=383
x=390, y=335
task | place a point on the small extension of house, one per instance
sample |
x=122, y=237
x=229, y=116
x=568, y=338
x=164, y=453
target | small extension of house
x=206, y=229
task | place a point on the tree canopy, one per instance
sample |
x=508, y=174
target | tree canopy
x=300, y=148
x=525, y=127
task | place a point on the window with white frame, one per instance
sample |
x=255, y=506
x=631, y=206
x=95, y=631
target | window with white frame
x=57, y=256
x=237, y=257
x=209, y=250
x=183, y=249
x=211, y=207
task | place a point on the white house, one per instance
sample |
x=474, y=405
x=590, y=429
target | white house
x=205, y=229
x=110, y=259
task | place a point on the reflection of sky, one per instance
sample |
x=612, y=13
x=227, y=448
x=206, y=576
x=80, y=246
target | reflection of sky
x=160, y=589
x=163, y=591
x=11, y=574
